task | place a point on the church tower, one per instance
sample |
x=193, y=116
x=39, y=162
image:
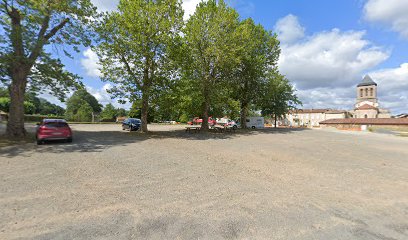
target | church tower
x=367, y=92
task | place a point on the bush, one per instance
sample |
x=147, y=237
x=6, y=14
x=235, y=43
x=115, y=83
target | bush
x=108, y=120
x=184, y=118
x=39, y=118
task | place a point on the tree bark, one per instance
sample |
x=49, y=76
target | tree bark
x=276, y=120
x=15, y=123
x=243, y=116
x=145, y=109
x=206, y=108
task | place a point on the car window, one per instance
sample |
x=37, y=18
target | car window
x=56, y=124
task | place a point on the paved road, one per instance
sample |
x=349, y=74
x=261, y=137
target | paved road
x=288, y=184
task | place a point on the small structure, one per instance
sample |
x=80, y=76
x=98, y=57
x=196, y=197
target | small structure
x=361, y=124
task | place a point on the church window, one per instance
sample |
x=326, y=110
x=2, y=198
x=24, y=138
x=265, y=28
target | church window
x=365, y=116
x=371, y=92
x=361, y=92
x=366, y=90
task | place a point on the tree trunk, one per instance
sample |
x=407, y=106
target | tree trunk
x=206, y=108
x=276, y=120
x=15, y=123
x=145, y=109
x=243, y=116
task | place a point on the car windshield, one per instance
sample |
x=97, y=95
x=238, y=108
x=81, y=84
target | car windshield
x=134, y=120
x=56, y=124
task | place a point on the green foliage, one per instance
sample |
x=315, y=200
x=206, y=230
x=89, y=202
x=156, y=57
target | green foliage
x=109, y=112
x=121, y=112
x=211, y=52
x=32, y=24
x=184, y=118
x=81, y=105
x=84, y=113
x=278, y=96
x=134, y=48
x=259, y=55
x=29, y=108
x=89, y=98
x=4, y=104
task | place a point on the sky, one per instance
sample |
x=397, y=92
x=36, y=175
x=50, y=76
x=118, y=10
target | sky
x=327, y=48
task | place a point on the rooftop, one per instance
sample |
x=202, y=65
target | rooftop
x=367, y=81
x=366, y=107
x=368, y=121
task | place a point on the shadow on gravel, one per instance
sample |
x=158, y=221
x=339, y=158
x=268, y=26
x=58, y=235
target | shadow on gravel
x=93, y=141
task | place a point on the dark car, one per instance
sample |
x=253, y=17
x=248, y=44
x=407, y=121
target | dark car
x=53, y=129
x=131, y=124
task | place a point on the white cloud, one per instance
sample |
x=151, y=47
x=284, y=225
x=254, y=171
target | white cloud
x=327, y=59
x=90, y=63
x=105, y=5
x=390, y=12
x=189, y=7
x=393, y=87
x=104, y=97
x=327, y=66
x=289, y=29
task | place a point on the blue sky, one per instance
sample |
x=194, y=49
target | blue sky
x=327, y=47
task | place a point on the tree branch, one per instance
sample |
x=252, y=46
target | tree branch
x=6, y=7
x=129, y=70
x=53, y=31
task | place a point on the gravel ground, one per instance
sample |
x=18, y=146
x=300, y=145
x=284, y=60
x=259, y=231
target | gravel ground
x=285, y=184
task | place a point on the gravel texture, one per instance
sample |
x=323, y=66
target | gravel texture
x=169, y=184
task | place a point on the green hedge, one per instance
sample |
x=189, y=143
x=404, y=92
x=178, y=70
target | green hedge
x=39, y=118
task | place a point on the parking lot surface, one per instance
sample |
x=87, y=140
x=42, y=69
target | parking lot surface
x=169, y=184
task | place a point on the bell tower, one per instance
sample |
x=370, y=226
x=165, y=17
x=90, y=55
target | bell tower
x=367, y=92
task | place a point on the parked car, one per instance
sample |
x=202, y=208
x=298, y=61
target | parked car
x=131, y=124
x=53, y=129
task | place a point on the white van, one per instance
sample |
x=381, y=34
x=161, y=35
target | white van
x=255, y=122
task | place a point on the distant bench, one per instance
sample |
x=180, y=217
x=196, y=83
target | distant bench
x=193, y=128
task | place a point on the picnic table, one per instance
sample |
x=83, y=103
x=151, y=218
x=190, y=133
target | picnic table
x=195, y=128
x=223, y=128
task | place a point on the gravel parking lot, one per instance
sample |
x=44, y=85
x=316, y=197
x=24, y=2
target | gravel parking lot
x=269, y=184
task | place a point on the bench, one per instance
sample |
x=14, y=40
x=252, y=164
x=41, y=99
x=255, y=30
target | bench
x=195, y=128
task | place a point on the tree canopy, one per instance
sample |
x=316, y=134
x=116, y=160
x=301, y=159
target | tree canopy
x=134, y=48
x=81, y=106
x=25, y=64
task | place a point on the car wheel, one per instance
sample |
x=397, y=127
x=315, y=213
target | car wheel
x=234, y=127
x=69, y=140
x=253, y=127
x=40, y=142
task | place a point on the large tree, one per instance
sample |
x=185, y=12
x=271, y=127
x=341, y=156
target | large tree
x=210, y=51
x=278, y=96
x=135, y=48
x=81, y=106
x=259, y=54
x=29, y=26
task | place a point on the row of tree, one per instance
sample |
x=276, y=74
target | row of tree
x=212, y=64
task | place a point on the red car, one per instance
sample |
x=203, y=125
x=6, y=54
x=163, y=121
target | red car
x=53, y=129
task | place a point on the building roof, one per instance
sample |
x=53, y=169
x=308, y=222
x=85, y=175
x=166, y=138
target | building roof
x=367, y=81
x=333, y=111
x=324, y=110
x=366, y=107
x=368, y=121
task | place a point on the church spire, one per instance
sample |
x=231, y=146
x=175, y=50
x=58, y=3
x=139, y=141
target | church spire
x=367, y=81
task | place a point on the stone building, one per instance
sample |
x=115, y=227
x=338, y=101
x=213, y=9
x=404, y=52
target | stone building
x=367, y=105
